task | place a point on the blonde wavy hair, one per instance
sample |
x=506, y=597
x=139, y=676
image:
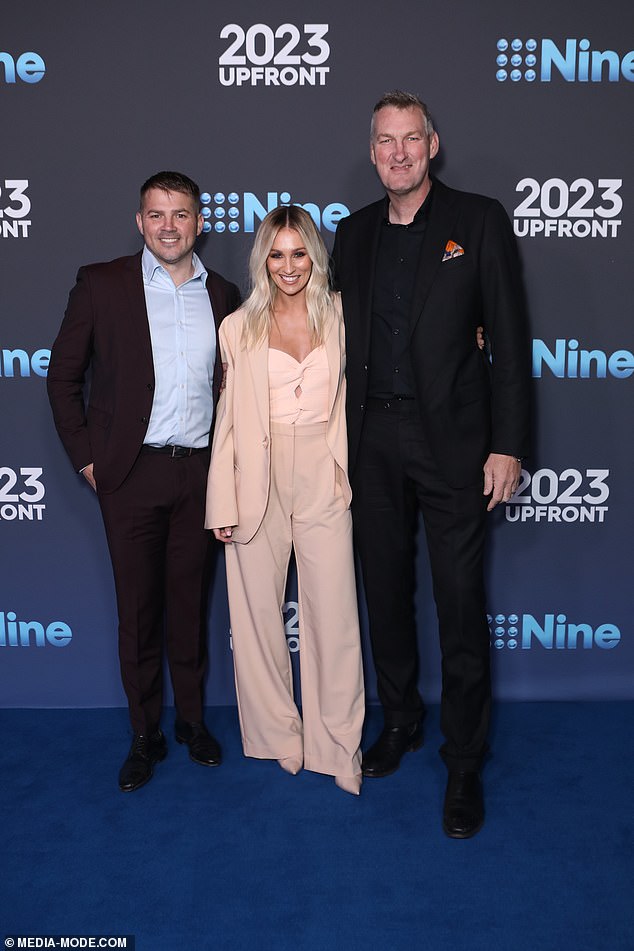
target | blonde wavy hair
x=258, y=307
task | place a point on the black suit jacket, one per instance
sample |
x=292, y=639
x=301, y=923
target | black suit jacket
x=105, y=329
x=470, y=406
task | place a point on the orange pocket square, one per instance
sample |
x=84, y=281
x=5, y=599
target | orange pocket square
x=452, y=250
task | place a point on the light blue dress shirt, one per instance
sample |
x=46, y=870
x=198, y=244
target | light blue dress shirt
x=183, y=337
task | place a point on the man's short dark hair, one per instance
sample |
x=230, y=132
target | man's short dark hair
x=172, y=182
x=403, y=100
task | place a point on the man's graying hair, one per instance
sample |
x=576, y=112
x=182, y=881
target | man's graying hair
x=403, y=100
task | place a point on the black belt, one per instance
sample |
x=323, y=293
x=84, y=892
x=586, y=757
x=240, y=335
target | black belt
x=175, y=452
x=393, y=404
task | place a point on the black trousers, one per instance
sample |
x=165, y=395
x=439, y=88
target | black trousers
x=160, y=559
x=394, y=477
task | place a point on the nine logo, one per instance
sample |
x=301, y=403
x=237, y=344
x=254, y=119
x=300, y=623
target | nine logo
x=261, y=56
x=549, y=211
x=243, y=211
x=575, y=62
x=568, y=496
x=24, y=505
x=15, y=633
x=568, y=361
x=28, y=67
x=18, y=363
x=553, y=632
x=13, y=221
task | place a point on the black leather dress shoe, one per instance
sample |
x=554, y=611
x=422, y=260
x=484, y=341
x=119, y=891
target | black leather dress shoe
x=203, y=748
x=146, y=750
x=385, y=756
x=463, y=812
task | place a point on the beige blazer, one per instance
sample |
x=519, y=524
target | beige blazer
x=240, y=469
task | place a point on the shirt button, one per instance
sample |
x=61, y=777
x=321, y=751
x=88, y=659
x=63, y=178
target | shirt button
x=396, y=332
x=396, y=370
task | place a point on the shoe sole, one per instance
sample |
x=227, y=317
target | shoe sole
x=388, y=772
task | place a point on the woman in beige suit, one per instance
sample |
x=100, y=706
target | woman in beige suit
x=278, y=482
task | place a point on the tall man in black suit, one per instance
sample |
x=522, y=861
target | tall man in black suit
x=432, y=425
x=146, y=327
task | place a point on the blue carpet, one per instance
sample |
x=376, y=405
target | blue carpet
x=248, y=858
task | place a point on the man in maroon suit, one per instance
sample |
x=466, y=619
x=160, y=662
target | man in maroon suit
x=146, y=327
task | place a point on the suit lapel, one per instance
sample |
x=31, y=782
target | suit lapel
x=136, y=312
x=219, y=311
x=218, y=303
x=258, y=360
x=333, y=355
x=442, y=217
x=368, y=249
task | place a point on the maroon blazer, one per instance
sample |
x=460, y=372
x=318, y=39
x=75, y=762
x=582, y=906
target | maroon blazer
x=106, y=331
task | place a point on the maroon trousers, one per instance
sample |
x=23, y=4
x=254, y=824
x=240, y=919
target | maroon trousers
x=160, y=556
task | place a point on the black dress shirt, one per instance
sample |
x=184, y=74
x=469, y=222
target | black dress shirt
x=390, y=369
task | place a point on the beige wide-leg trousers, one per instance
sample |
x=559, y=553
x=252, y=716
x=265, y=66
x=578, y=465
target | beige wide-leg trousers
x=306, y=511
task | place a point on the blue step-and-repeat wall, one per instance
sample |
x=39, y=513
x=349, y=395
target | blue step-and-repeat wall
x=268, y=104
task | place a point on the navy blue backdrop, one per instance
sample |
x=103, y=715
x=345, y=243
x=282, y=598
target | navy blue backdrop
x=271, y=105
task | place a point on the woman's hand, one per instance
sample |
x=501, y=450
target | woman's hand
x=224, y=534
